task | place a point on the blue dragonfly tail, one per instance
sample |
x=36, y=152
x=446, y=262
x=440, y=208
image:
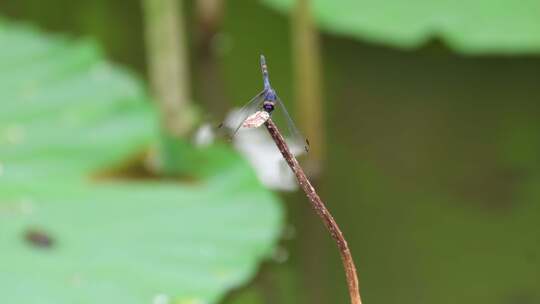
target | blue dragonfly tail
x=264, y=69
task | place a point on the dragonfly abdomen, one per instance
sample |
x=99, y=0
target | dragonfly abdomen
x=266, y=77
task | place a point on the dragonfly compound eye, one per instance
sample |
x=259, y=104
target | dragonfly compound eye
x=268, y=107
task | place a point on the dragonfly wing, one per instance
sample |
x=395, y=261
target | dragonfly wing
x=234, y=122
x=294, y=133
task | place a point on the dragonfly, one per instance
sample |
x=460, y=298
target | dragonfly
x=260, y=108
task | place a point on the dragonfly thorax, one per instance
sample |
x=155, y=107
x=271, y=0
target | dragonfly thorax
x=270, y=95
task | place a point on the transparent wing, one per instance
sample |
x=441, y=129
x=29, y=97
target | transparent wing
x=294, y=136
x=234, y=121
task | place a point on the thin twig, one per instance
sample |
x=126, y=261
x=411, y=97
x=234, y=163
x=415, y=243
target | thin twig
x=320, y=208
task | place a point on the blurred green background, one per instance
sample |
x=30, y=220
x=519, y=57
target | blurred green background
x=431, y=166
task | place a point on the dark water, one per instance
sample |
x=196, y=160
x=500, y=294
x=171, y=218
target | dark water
x=433, y=159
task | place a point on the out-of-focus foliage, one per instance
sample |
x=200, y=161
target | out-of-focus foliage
x=65, y=111
x=478, y=26
x=69, y=235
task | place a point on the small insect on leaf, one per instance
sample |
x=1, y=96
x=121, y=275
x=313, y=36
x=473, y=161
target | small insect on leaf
x=38, y=238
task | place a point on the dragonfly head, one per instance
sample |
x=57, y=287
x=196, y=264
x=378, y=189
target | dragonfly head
x=268, y=106
x=269, y=100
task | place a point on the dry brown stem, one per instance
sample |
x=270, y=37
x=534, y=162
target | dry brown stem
x=320, y=208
